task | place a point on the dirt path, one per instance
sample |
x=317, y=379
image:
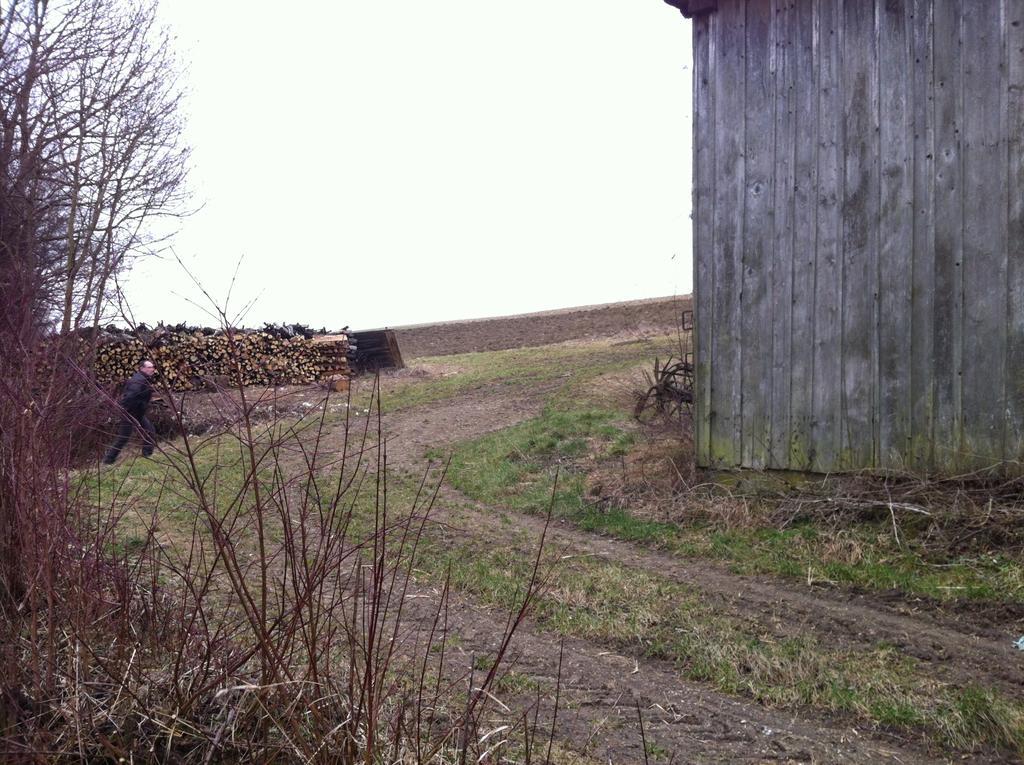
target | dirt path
x=698, y=724
x=600, y=690
x=964, y=651
x=410, y=432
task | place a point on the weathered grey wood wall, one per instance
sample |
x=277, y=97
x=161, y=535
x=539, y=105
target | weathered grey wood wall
x=859, y=234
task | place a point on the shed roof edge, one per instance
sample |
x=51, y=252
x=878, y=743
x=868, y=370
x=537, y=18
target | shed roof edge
x=691, y=8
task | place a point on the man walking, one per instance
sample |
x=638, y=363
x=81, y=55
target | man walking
x=134, y=400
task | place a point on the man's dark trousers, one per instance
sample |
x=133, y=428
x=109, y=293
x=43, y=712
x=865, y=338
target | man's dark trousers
x=135, y=397
x=129, y=424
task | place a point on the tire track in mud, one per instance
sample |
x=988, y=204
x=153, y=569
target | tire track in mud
x=700, y=724
x=599, y=691
x=957, y=650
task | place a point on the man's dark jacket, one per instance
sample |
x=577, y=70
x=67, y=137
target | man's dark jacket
x=136, y=395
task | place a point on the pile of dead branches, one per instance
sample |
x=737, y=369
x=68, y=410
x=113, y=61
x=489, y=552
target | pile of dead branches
x=975, y=514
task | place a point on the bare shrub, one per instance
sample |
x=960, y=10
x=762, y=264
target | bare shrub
x=273, y=627
x=246, y=602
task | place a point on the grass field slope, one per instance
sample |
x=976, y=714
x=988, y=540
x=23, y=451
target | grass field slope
x=661, y=614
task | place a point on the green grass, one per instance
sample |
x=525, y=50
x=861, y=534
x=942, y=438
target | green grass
x=643, y=614
x=865, y=555
x=618, y=523
x=163, y=494
x=516, y=684
x=565, y=367
x=515, y=468
x=639, y=612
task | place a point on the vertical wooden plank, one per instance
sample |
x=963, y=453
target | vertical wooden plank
x=728, y=94
x=859, y=234
x=828, y=272
x=922, y=359
x=758, y=236
x=896, y=231
x=1014, y=448
x=948, y=200
x=804, y=82
x=783, y=95
x=704, y=253
x=984, y=247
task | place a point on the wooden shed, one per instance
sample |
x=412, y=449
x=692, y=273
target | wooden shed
x=859, y=233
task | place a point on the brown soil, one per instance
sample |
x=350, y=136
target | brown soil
x=600, y=691
x=630, y=320
x=600, y=688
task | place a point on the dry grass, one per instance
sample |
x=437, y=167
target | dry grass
x=240, y=598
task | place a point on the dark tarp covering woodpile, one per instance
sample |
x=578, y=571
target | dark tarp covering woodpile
x=375, y=349
x=192, y=358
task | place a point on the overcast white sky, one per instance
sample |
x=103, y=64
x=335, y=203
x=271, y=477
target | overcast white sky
x=386, y=163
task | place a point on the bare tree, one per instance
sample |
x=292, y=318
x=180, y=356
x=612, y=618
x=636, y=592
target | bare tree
x=90, y=106
x=128, y=164
x=91, y=153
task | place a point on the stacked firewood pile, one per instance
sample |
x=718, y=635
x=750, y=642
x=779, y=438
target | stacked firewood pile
x=190, y=358
x=334, y=351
